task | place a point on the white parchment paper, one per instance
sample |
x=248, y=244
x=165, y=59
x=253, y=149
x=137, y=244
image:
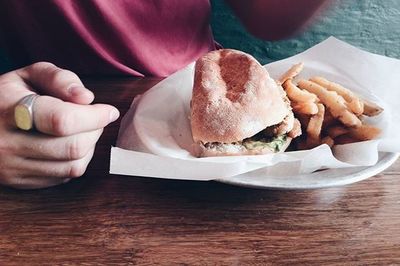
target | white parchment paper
x=155, y=137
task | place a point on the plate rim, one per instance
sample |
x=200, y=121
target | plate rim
x=385, y=162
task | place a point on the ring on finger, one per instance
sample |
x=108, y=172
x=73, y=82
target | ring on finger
x=23, y=112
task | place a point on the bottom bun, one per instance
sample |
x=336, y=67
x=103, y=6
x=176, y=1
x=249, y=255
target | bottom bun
x=235, y=149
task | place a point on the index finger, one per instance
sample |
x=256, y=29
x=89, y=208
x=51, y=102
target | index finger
x=58, y=118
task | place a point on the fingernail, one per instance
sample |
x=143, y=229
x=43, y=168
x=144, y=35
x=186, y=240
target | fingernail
x=114, y=114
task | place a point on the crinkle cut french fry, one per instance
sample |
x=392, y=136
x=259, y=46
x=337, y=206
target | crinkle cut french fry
x=371, y=109
x=307, y=108
x=328, y=112
x=354, y=103
x=336, y=131
x=333, y=101
x=365, y=132
x=315, y=125
x=291, y=73
x=296, y=94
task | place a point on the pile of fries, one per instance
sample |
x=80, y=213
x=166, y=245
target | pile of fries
x=328, y=112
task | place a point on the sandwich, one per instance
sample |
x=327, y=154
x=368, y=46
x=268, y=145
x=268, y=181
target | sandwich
x=237, y=108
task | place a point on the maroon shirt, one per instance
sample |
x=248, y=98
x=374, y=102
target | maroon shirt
x=130, y=37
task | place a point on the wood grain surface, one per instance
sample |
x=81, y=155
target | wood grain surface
x=118, y=220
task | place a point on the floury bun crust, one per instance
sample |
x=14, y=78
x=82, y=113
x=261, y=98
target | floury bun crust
x=233, y=98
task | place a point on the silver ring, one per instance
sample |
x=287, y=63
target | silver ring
x=23, y=112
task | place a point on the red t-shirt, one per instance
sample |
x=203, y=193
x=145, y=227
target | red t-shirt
x=130, y=37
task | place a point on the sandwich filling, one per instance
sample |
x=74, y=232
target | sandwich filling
x=273, y=138
x=273, y=143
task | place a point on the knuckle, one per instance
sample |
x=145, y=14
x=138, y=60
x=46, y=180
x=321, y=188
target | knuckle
x=76, y=149
x=70, y=75
x=42, y=69
x=61, y=123
x=77, y=169
x=3, y=164
x=56, y=72
x=5, y=158
x=42, y=65
x=10, y=180
x=59, y=76
x=5, y=151
x=53, y=75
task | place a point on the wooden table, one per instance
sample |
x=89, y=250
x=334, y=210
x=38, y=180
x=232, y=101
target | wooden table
x=108, y=219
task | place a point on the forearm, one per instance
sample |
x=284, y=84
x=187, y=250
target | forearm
x=275, y=19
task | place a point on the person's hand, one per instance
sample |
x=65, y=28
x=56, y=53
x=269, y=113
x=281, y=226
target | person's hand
x=66, y=127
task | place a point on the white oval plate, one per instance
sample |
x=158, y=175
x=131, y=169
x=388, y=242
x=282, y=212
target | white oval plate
x=319, y=179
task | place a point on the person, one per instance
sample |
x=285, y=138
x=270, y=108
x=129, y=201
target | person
x=53, y=42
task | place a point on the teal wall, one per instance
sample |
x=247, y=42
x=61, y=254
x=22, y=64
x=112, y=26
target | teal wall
x=373, y=25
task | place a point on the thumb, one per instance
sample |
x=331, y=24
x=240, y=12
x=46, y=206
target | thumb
x=46, y=78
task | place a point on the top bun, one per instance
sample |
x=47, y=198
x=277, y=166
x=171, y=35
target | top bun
x=233, y=98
